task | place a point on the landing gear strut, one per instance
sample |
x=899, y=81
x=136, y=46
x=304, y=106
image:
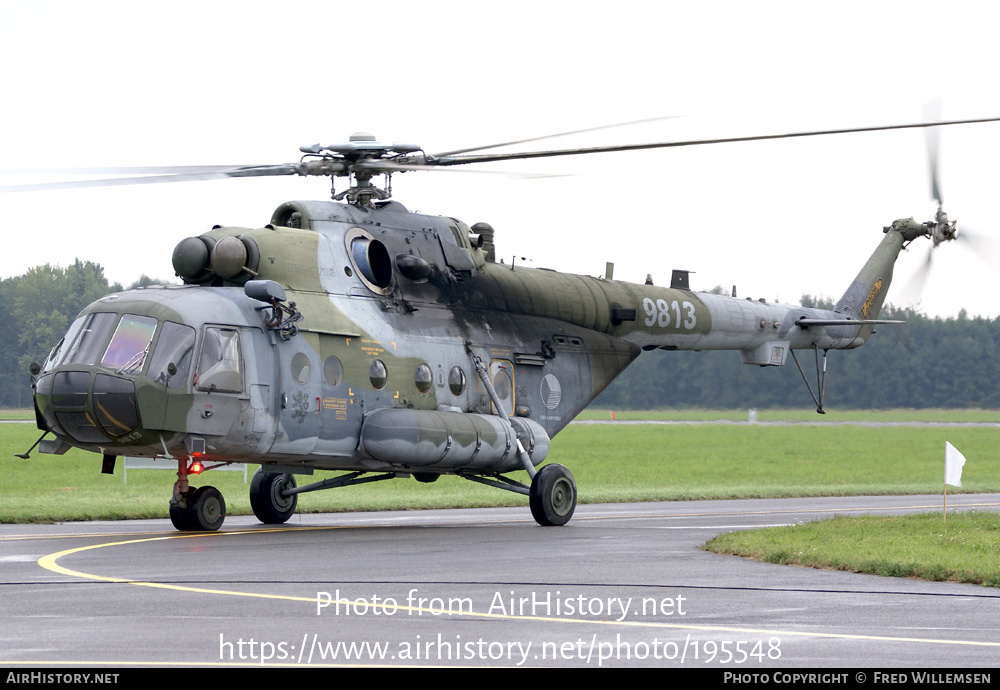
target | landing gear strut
x=195, y=510
x=552, y=496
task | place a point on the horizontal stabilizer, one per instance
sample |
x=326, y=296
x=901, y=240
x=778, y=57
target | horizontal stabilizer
x=806, y=323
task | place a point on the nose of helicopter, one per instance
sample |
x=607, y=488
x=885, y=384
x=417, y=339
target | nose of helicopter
x=123, y=377
x=88, y=407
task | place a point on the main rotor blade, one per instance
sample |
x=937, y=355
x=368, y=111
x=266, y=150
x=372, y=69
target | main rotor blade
x=489, y=158
x=125, y=170
x=112, y=182
x=206, y=172
x=556, y=136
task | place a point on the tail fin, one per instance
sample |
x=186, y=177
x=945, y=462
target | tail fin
x=865, y=296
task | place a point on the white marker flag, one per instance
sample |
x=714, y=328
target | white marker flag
x=953, y=463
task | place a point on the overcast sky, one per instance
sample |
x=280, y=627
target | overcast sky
x=182, y=83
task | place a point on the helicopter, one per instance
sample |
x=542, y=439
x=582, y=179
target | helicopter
x=355, y=336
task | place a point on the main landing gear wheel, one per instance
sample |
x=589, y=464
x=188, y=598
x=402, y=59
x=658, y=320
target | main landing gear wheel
x=553, y=496
x=205, y=512
x=268, y=504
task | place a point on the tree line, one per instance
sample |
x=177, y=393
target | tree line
x=927, y=362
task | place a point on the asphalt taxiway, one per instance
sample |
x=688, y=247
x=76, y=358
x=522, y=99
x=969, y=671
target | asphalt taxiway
x=620, y=585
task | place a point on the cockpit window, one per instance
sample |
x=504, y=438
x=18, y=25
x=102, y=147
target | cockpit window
x=59, y=351
x=91, y=339
x=219, y=368
x=128, y=348
x=174, y=346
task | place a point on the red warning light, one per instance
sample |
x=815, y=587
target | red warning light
x=196, y=468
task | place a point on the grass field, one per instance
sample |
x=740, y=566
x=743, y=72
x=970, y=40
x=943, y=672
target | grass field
x=805, y=415
x=16, y=415
x=966, y=548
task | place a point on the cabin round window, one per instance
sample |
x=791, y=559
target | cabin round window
x=301, y=367
x=333, y=370
x=423, y=378
x=456, y=381
x=377, y=374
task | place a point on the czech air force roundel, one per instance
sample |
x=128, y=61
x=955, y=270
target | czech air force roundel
x=550, y=391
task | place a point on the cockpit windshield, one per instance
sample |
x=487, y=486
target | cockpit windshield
x=130, y=344
x=92, y=337
x=126, y=343
x=59, y=351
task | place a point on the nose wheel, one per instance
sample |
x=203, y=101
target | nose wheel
x=205, y=511
x=553, y=496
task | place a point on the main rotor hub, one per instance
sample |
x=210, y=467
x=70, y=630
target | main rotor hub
x=361, y=158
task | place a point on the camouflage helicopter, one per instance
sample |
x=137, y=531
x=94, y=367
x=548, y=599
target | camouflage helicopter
x=355, y=336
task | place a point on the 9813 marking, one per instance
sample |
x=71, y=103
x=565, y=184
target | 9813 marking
x=660, y=314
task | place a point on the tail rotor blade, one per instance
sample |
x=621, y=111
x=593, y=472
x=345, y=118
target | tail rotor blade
x=913, y=292
x=986, y=247
x=932, y=113
x=902, y=331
